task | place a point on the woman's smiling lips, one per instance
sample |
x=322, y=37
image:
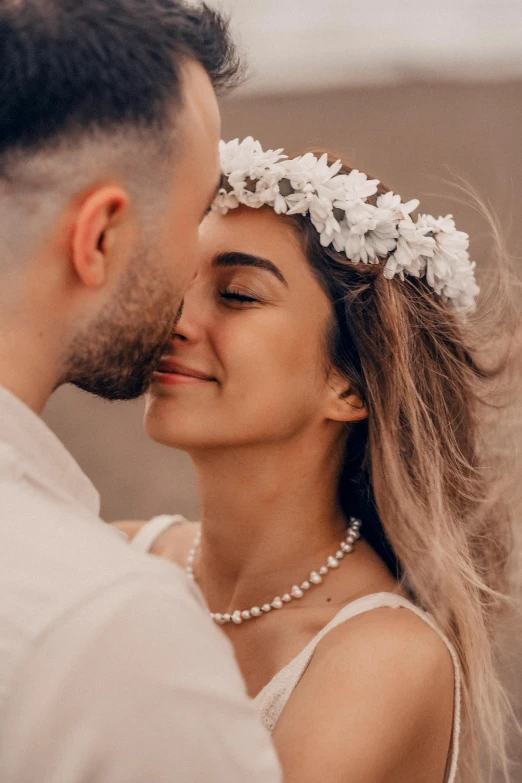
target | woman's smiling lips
x=171, y=372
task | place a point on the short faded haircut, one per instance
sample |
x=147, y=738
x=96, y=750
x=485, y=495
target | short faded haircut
x=73, y=66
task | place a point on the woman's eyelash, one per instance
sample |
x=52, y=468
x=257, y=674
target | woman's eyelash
x=236, y=296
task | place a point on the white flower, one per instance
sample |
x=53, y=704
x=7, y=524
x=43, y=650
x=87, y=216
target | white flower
x=383, y=238
x=299, y=170
x=462, y=289
x=299, y=201
x=246, y=157
x=225, y=201
x=449, y=270
x=309, y=170
x=392, y=203
x=356, y=188
x=355, y=247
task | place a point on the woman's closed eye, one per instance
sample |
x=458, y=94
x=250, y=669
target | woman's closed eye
x=237, y=296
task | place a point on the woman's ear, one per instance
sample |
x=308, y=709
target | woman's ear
x=343, y=404
x=97, y=218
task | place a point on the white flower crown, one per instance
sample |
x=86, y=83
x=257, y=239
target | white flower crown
x=337, y=205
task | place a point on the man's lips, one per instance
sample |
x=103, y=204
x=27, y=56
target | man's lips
x=169, y=367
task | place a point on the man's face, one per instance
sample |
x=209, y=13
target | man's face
x=196, y=178
x=116, y=356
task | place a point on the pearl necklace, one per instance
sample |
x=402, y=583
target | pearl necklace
x=296, y=592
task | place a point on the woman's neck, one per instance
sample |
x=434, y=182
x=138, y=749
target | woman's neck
x=269, y=516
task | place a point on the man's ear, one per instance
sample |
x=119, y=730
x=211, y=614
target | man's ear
x=343, y=404
x=97, y=216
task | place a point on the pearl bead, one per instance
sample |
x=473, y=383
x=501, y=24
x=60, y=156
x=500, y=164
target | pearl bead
x=315, y=578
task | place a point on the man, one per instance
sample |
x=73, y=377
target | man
x=110, y=669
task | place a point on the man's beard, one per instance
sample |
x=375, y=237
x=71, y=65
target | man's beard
x=116, y=355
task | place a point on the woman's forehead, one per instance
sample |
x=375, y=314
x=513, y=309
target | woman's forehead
x=253, y=231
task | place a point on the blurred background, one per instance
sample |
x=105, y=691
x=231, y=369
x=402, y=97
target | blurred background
x=412, y=92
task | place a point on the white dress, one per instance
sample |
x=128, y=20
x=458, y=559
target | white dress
x=273, y=697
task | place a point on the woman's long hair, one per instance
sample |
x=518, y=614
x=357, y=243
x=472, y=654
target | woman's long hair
x=419, y=471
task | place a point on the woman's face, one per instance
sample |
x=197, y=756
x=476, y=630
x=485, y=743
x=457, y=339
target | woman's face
x=253, y=329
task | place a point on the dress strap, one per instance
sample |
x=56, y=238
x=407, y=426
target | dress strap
x=147, y=536
x=273, y=697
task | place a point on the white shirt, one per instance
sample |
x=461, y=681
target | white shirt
x=111, y=670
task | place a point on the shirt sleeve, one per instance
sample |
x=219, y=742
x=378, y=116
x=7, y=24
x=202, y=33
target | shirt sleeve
x=138, y=685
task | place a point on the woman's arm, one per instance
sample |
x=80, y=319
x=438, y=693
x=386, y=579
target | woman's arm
x=374, y=706
x=130, y=527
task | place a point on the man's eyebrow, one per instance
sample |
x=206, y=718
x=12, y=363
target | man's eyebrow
x=245, y=259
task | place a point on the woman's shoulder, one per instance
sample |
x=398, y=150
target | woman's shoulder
x=388, y=679
x=390, y=639
x=396, y=655
x=173, y=544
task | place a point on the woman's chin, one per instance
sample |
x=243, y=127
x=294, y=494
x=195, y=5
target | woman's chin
x=175, y=437
x=163, y=435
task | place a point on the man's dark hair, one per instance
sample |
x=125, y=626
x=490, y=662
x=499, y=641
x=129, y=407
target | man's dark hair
x=69, y=66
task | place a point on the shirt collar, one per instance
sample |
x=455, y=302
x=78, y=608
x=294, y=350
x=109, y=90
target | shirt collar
x=41, y=455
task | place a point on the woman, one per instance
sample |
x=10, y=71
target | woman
x=324, y=382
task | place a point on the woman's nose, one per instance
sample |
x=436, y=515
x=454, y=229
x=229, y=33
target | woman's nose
x=189, y=327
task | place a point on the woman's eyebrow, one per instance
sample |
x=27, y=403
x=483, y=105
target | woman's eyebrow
x=245, y=259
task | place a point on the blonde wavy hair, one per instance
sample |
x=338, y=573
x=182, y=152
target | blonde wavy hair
x=423, y=471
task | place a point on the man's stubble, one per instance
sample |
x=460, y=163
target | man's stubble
x=117, y=354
